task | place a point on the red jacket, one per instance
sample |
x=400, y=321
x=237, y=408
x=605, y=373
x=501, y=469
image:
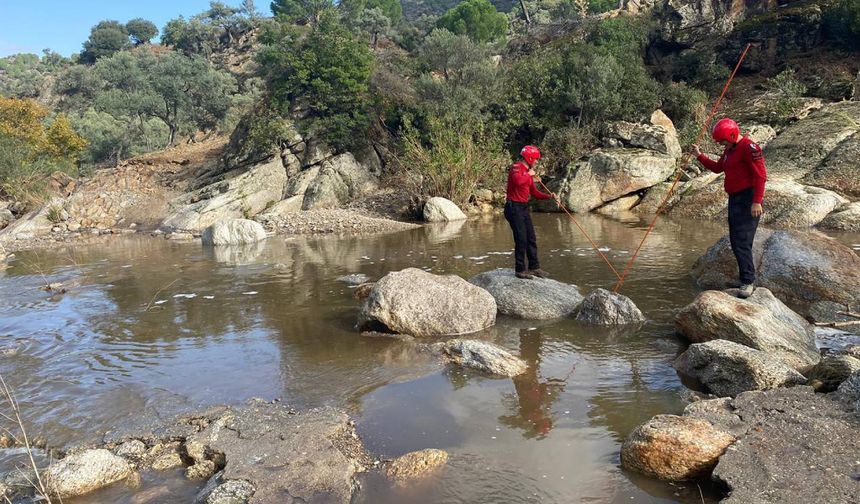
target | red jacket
x=744, y=167
x=521, y=185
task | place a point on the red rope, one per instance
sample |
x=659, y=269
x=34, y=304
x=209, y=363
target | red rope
x=596, y=248
x=702, y=131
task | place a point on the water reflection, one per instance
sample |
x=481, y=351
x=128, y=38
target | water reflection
x=534, y=398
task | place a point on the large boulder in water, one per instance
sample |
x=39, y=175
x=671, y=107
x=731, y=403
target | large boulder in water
x=442, y=210
x=761, y=322
x=415, y=302
x=674, y=448
x=831, y=371
x=727, y=368
x=85, y=472
x=812, y=273
x=603, y=307
x=234, y=232
x=609, y=174
x=840, y=170
x=536, y=299
x=657, y=138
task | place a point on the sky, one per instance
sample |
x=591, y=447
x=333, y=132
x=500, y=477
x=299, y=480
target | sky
x=63, y=25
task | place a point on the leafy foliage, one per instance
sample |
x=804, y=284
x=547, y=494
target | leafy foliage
x=325, y=74
x=842, y=24
x=106, y=39
x=785, y=95
x=452, y=159
x=208, y=32
x=301, y=11
x=141, y=31
x=478, y=19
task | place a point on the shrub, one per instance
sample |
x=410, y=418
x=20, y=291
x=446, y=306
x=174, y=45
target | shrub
x=478, y=19
x=785, y=95
x=452, y=161
x=561, y=146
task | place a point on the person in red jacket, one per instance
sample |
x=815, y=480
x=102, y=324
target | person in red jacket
x=743, y=164
x=521, y=186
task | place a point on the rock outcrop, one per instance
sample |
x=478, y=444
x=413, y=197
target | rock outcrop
x=844, y=218
x=241, y=196
x=831, y=371
x=603, y=307
x=609, y=174
x=418, y=303
x=761, y=322
x=727, y=369
x=341, y=179
x=538, y=298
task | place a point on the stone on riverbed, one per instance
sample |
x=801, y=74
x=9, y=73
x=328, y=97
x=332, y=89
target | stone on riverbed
x=482, y=356
x=674, y=448
x=416, y=464
x=761, y=322
x=442, y=210
x=234, y=232
x=603, y=307
x=230, y=492
x=538, y=298
x=727, y=368
x=84, y=472
x=418, y=303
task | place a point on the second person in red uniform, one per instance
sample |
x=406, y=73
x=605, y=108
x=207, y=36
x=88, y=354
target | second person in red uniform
x=743, y=164
x=521, y=187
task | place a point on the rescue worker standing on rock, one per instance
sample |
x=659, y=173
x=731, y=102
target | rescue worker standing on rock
x=743, y=163
x=521, y=186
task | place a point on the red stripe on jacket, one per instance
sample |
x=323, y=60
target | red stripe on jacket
x=521, y=185
x=744, y=167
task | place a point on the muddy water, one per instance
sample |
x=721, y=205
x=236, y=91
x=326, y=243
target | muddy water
x=150, y=328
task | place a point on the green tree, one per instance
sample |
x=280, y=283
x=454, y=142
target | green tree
x=374, y=22
x=184, y=92
x=106, y=39
x=208, y=32
x=308, y=12
x=324, y=72
x=478, y=19
x=141, y=31
x=392, y=9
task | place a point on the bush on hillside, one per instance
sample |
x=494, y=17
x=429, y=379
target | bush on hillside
x=478, y=19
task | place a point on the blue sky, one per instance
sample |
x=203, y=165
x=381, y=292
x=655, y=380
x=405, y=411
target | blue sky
x=63, y=25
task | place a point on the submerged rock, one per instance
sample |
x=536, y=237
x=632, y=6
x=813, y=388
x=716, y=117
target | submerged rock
x=538, y=298
x=674, y=448
x=761, y=322
x=415, y=302
x=603, y=307
x=354, y=279
x=442, y=210
x=234, y=232
x=230, y=492
x=85, y=472
x=727, y=368
x=416, y=464
x=482, y=356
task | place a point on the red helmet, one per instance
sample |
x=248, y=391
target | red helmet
x=530, y=153
x=726, y=130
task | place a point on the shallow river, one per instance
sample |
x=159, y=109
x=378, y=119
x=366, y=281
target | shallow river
x=150, y=327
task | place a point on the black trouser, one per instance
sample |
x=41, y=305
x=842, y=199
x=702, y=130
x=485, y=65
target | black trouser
x=525, y=242
x=742, y=228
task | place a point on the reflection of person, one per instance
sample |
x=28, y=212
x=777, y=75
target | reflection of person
x=534, y=399
x=743, y=163
x=521, y=186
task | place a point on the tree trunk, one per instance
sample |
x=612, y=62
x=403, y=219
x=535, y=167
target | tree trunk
x=525, y=12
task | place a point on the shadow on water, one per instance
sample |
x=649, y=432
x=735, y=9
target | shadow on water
x=150, y=328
